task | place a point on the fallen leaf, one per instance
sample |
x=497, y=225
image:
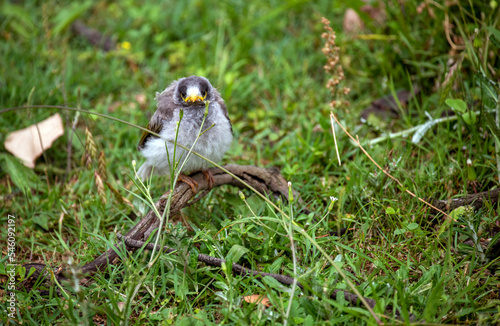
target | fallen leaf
x=29, y=143
x=257, y=298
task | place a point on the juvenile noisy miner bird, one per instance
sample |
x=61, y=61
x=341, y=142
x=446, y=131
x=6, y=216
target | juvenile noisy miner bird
x=188, y=95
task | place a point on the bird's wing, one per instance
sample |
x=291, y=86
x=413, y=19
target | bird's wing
x=165, y=112
x=223, y=107
x=155, y=125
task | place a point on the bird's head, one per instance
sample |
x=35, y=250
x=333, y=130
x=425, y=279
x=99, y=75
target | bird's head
x=193, y=90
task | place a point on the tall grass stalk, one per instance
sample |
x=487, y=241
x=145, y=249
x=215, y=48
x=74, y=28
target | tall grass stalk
x=292, y=248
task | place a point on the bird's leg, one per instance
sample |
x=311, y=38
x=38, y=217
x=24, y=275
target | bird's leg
x=210, y=178
x=189, y=181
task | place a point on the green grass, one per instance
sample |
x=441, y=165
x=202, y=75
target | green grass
x=265, y=58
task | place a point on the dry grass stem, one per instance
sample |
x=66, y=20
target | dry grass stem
x=335, y=139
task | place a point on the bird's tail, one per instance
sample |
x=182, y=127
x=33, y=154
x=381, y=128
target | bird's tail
x=144, y=171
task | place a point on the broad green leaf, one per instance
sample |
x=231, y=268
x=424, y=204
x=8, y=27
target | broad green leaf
x=274, y=284
x=308, y=321
x=471, y=173
x=236, y=252
x=412, y=226
x=469, y=118
x=399, y=231
x=457, y=212
x=42, y=221
x=457, y=105
x=276, y=265
x=390, y=211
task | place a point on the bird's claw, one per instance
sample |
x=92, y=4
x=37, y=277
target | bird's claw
x=210, y=178
x=189, y=181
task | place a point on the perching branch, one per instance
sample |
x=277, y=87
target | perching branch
x=267, y=181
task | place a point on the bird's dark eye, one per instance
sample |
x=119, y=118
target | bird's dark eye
x=182, y=91
x=204, y=90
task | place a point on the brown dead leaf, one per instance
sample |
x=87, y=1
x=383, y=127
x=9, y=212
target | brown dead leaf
x=29, y=143
x=258, y=298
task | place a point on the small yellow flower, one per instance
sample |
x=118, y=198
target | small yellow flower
x=126, y=45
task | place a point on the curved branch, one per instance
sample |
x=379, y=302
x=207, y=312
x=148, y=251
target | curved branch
x=267, y=181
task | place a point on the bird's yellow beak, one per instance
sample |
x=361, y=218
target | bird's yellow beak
x=194, y=97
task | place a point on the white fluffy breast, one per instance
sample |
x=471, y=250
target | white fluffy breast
x=213, y=144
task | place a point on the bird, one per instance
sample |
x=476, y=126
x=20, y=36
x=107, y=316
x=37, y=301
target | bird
x=188, y=95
